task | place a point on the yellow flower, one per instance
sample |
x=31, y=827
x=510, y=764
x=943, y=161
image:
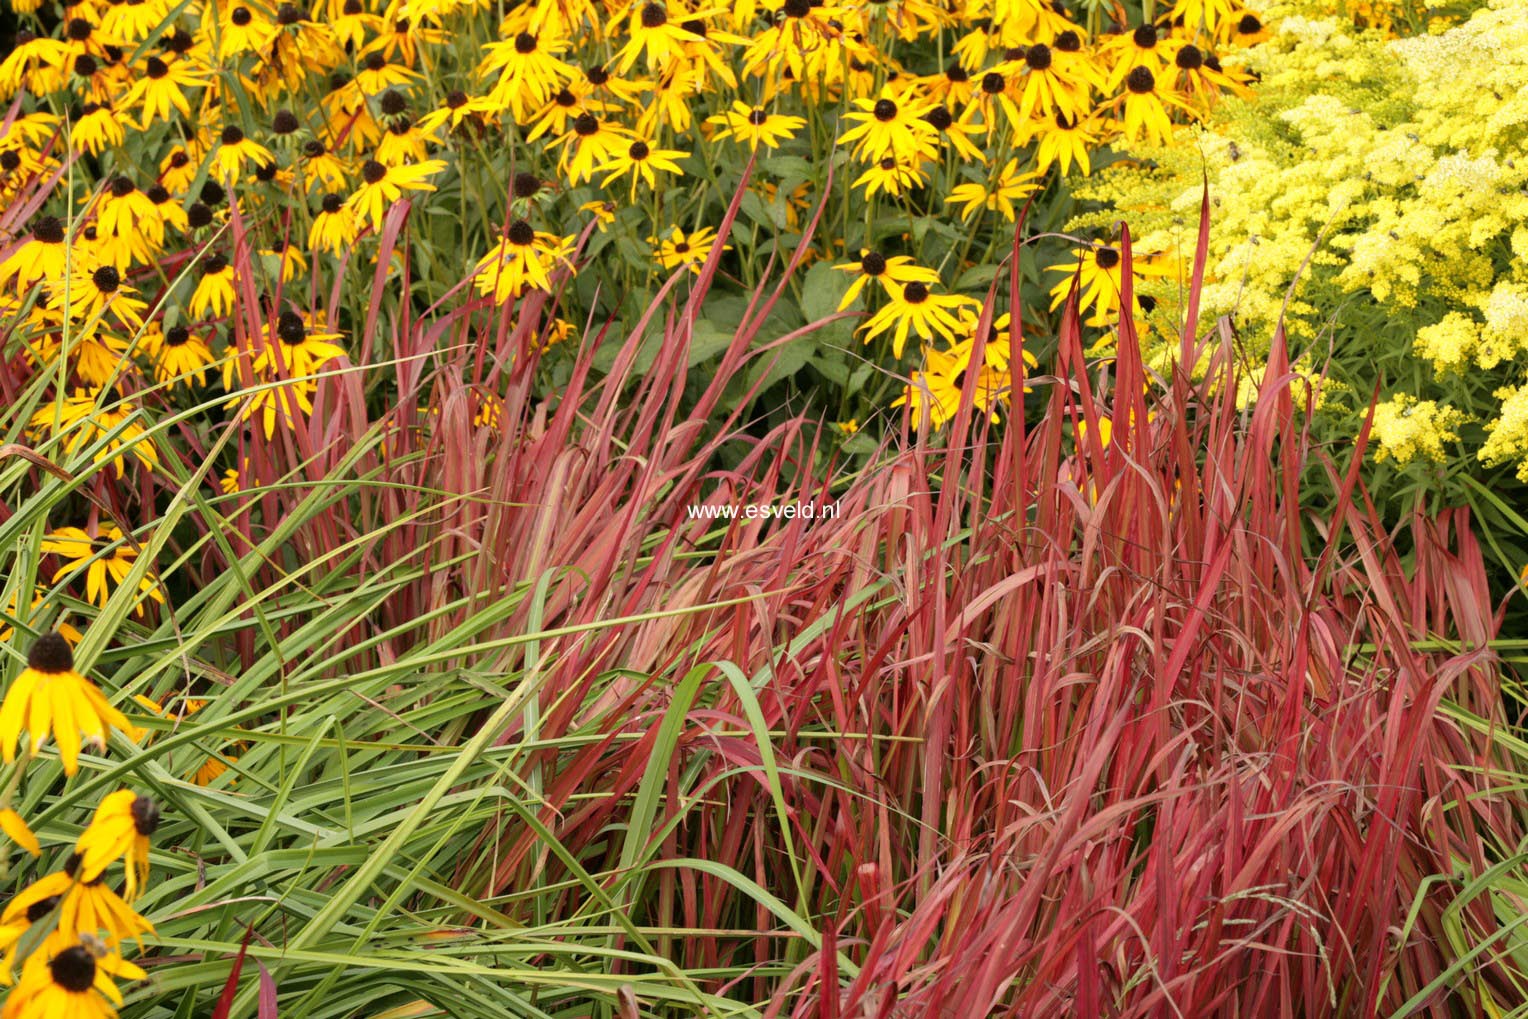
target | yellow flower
x=80, y=421
x=215, y=294
x=641, y=159
x=234, y=151
x=1010, y=186
x=383, y=185
x=753, y=125
x=691, y=250
x=66, y=978
x=180, y=357
x=49, y=695
x=335, y=226
x=891, y=273
x=120, y=829
x=1099, y=271
x=106, y=559
x=915, y=308
x=523, y=257
x=888, y=126
x=44, y=256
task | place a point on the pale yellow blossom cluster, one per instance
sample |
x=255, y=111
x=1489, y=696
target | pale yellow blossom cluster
x=1374, y=194
x=1407, y=429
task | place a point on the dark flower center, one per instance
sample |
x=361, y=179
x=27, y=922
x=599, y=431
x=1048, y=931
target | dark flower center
x=638, y=150
x=940, y=118
x=1106, y=258
x=1190, y=58
x=1038, y=57
x=993, y=83
x=84, y=65
x=1145, y=37
x=78, y=29
x=198, y=216
x=145, y=816
x=213, y=193
x=393, y=103
x=915, y=292
x=158, y=194
x=177, y=336
x=375, y=61
x=241, y=16
x=287, y=15
x=373, y=171
x=757, y=116
x=1064, y=122
x=284, y=122
x=179, y=159
x=888, y=163
x=50, y=654
x=681, y=247
x=180, y=42
x=597, y=75
x=352, y=7
x=565, y=98
x=457, y=99
x=885, y=110
x=654, y=15
x=1212, y=61
x=695, y=27
x=585, y=125
x=1141, y=80
x=41, y=908
x=265, y=172
x=48, y=230
x=957, y=74
x=232, y=135
x=332, y=203
x=9, y=160
x=313, y=149
x=797, y=8
x=73, y=969
x=214, y=265
x=1068, y=42
x=156, y=68
x=521, y=233
x=106, y=279
x=873, y=263
x=525, y=43
x=1249, y=24
x=290, y=328
x=526, y=185
x=1147, y=302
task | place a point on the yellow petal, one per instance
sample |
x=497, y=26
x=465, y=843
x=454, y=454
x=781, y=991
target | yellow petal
x=12, y=824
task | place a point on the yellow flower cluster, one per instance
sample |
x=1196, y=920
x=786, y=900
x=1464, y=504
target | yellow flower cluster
x=1376, y=196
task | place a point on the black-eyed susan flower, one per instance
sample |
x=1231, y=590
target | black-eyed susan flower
x=82, y=420
x=754, y=126
x=105, y=558
x=1099, y=271
x=459, y=108
x=86, y=908
x=526, y=70
x=98, y=356
x=681, y=249
x=162, y=89
x=891, y=125
x=892, y=175
x=68, y=979
x=335, y=226
x=234, y=151
x=1145, y=109
x=1048, y=85
x=591, y=142
x=99, y=127
x=1142, y=47
x=891, y=273
x=120, y=830
x=656, y=27
x=1064, y=141
x=179, y=356
x=998, y=194
x=524, y=257
x=296, y=346
x=215, y=294
x=954, y=133
x=641, y=160
x=916, y=308
x=49, y=697
x=320, y=167
x=273, y=403
x=381, y=186
x=43, y=256
x=92, y=293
